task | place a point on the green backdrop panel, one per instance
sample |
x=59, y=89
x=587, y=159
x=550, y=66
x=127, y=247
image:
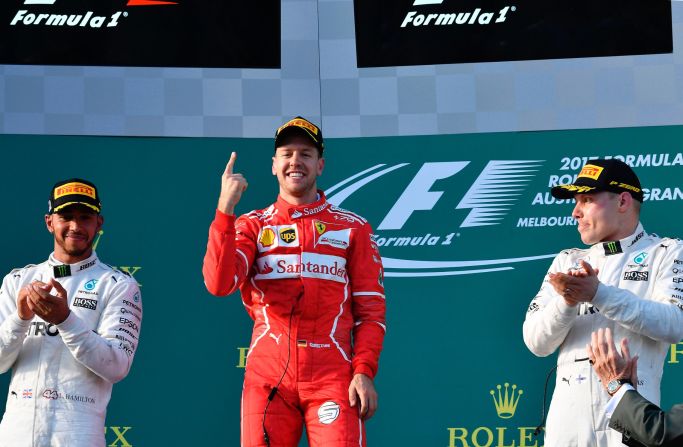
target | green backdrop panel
x=466, y=229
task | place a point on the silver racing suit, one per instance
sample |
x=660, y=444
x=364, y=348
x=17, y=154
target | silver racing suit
x=62, y=375
x=640, y=297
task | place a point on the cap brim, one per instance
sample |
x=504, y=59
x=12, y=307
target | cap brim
x=569, y=191
x=67, y=204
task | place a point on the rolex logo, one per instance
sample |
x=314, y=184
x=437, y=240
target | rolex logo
x=506, y=401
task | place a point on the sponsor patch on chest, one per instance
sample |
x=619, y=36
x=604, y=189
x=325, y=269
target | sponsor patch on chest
x=273, y=236
x=636, y=276
x=308, y=265
x=330, y=234
x=86, y=303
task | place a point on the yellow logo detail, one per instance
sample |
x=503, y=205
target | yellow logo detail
x=506, y=402
x=625, y=186
x=320, y=227
x=288, y=235
x=577, y=189
x=267, y=237
x=75, y=188
x=591, y=171
x=299, y=123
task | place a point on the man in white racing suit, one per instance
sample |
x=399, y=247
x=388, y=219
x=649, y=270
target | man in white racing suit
x=69, y=328
x=628, y=281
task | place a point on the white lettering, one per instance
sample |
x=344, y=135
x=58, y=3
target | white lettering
x=57, y=20
x=458, y=18
x=18, y=16
x=474, y=16
x=501, y=14
x=97, y=22
x=545, y=198
x=41, y=17
x=552, y=221
x=485, y=18
x=430, y=17
x=29, y=19
x=114, y=20
x=407, y=20
x=86, y=18
x=446, y=19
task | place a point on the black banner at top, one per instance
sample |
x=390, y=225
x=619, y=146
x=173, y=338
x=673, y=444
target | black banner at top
x=149, y=33
x=425, y=32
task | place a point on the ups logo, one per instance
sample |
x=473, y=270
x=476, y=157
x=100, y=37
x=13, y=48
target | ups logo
x=288, y=235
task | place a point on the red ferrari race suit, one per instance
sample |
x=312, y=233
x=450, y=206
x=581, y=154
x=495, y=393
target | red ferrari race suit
x=311, y=279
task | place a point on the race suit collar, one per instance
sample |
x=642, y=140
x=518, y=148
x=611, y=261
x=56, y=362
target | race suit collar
x=309, y=209
x=624, y=245
x=61, y=270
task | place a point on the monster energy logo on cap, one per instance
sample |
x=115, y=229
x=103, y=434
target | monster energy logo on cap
x=612, y=247
x=62, y=270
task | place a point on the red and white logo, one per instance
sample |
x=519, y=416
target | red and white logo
x=309, y=265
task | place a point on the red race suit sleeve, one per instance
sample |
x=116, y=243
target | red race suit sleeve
x=229, y=254
x=366, y=276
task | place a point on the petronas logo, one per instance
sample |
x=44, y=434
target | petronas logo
x=506, y=400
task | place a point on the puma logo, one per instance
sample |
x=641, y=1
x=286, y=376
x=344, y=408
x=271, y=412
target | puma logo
x=276, y=338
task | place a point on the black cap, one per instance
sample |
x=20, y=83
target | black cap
x=74, y=191
x=303, y=126
x=602, y=175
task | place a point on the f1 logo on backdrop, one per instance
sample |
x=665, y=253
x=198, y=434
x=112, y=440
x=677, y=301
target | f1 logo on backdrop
x=419, y=227
x=149, y=33
x=425, y=32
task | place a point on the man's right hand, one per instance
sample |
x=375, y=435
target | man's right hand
x=232, y=187
x=607, y=362
x=23, y=309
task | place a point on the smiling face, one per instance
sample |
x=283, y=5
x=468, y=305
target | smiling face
x=297, y=165
x=604, y=216
x=74, y=229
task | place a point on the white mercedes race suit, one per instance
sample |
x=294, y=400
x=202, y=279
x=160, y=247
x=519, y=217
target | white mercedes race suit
x=640, y=297
x=62, y=375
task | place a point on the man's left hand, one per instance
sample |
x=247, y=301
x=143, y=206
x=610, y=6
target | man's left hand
x=363, y=388
x=576, y=286
x=51, y=308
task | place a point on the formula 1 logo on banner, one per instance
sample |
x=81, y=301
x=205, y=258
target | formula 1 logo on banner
x=151, y=33
x=474, y=17
x=485, y=203
x=443, y=218
x=83, y=18
x=424, y=32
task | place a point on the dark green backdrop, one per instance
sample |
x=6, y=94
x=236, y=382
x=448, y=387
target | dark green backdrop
x=453, y=334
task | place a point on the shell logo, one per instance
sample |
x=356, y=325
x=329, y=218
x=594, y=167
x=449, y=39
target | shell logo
x=267, y=237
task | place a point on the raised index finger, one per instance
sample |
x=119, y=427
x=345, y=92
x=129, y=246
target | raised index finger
x=231, y=163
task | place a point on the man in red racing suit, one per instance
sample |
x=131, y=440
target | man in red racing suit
x=311, y=279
